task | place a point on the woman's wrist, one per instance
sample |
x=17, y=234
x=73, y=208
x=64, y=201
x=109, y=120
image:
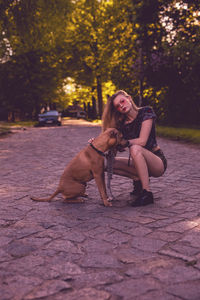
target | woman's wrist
x=131, y=143
x=128, y=144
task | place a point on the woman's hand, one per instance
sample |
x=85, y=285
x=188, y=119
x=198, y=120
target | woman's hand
x=121, y=147
x=90, y=140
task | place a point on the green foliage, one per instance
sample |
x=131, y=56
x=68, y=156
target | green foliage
x=32, y=71
x=146, y=47
x=182, y=134
x=89, y=46
x=184, y=88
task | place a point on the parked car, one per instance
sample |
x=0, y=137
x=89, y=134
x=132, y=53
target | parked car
x=50, y=117
x=81, y=115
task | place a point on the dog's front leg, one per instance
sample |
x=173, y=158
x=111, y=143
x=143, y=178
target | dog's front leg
x=100, y=182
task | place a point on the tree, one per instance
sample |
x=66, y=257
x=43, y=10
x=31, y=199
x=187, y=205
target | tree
x=31, y=69
x=137, y=31
x=89, y=45
x=178, y=66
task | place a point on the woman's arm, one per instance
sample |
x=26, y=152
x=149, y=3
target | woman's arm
x=144, y=133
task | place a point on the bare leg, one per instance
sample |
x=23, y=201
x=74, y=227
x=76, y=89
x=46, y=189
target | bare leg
x=146, y=163
x=122, y=168
x=142, y=164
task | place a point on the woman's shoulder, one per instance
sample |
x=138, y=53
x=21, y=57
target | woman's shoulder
x=146, y=108
x=146, y=112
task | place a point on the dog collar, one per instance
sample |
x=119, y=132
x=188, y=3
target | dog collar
x=98, y=151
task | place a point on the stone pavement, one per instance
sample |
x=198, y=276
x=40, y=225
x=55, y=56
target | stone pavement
x=88, y=251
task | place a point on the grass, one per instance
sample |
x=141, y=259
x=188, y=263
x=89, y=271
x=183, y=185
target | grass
x=6, y=127
x=4, y=130
x=183, y=134
x=17, y=124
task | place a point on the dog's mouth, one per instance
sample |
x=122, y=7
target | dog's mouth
x=119, y=138
x=121, y=145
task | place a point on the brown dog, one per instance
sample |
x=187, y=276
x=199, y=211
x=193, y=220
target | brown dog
x=86, y=165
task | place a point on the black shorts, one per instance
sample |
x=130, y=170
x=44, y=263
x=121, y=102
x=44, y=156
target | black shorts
x=160, y=154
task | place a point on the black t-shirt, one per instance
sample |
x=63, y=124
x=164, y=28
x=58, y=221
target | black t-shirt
x=132, y=130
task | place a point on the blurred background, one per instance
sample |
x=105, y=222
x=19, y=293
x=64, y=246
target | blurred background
x=71, y=55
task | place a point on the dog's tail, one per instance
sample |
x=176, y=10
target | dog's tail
x=46, y=199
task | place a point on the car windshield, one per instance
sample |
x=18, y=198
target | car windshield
x=51, y=113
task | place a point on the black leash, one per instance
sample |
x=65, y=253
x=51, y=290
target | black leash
x=110, y=159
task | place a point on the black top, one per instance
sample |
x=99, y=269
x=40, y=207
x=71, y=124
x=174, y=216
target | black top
x=132, y=130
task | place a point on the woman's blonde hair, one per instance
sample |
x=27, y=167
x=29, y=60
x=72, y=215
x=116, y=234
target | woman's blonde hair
x=111, y=117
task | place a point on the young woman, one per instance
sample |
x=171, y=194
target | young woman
x=138, y=127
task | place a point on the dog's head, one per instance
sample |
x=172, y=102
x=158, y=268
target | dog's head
x=114, y=137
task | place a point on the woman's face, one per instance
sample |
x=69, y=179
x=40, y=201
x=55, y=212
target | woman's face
x=122, y=104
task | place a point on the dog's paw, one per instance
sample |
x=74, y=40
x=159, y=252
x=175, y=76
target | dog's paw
x=85, y=195
x=107, y=203
x=110, y=199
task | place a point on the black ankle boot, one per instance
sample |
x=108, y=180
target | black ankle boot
x=137, y=188
x=144, y=198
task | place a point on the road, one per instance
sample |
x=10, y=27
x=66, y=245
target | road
x=87, y=251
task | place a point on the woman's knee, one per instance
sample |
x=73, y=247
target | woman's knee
x=136, y=150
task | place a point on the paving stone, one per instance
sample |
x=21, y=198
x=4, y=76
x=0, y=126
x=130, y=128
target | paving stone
x=175, y=254
x=130, y=255
x=176, y=274
x=129, y=289
x=66, y=271
x=147, y=244
x=65, y=267
x=115, y=237
x=47, y=289
x=4, y=256
x=4, y=240
x=86, y=294
x=193, y=238
x=164, y=236
x=59, y=251
x=155, y=263
x=19, y=249
x=17, y=286
x=157, y=295
x=139, y=231
x=164, y=223
x=187, y=290
x=74, y=236
x=63, y=245
x=135, y=272
x=100, y=261
x=185, y=249
x=94, y=279
x=96, y=246
x=181, y=226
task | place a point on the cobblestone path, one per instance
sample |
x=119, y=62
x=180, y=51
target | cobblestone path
x=87, y=251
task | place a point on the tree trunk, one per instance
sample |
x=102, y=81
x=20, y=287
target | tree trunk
x=141, y=92
x=99, y=96
x=141, y=76
x=94, y=110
